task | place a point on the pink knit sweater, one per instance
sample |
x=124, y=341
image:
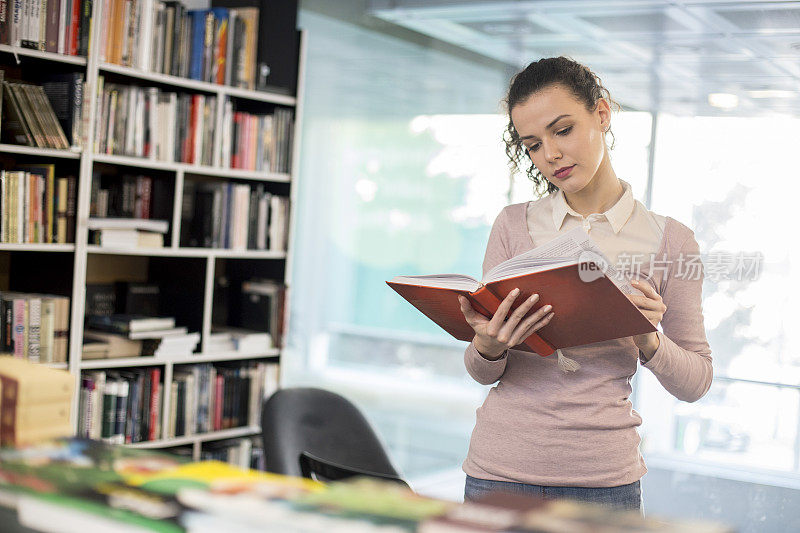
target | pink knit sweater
x=542, y=426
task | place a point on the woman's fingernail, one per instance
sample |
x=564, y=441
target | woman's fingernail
x=547, y=307
x=515, y=292
x=534, y=297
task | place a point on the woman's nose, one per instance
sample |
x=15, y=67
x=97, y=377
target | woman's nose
x=551, y=151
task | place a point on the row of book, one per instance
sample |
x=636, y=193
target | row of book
x=155, y=124
x=59, y=26
x=214, y=45
x=247, y=453
x=233, y=215
x=121, y=407
x=36, y=206
x=34, y=326
x=130, y=196
x=34, y=403
x=124, y=335
x=209, y=397
x=257, y=142
x=27, y=119
x=124, y=407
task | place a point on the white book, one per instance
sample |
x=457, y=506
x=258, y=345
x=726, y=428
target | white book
x=158, y=334
x=145, y=36
x=156, y=226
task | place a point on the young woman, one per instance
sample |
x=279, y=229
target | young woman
x=544, y=430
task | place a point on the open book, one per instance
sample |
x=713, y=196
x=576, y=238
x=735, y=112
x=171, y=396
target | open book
x=570, y=273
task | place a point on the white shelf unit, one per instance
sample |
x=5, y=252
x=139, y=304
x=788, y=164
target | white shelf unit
x=82, y=250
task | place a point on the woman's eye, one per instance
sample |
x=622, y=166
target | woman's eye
x=565, y=131
x=533, y=147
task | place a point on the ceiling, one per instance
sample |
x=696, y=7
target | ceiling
x=651, y=54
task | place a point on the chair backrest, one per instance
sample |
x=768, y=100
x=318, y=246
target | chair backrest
x=323, y=424
x=320, y=469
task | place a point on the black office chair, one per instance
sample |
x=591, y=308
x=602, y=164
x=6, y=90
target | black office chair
x=320, y=435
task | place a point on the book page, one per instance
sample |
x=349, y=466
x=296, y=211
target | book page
x=573, y=246
x=443, y=281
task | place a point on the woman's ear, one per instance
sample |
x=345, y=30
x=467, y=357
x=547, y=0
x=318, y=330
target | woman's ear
x=603, y=113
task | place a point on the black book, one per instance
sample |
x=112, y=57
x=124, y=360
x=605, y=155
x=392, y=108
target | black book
x=180, y=419
x=252, y=224
x=137, y=298
x=71, y=201
x=100, y=299
x=84, y=27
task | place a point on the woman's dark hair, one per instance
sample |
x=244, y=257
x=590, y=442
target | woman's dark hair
x=584, y=84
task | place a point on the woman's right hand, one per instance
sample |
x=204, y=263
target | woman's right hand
x=496, y=335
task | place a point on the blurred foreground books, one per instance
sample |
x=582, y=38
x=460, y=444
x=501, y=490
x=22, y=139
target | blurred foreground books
x=34, y=402
x=83, y=485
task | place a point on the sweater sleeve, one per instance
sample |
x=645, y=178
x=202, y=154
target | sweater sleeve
x=483, y=370
x=682, y=362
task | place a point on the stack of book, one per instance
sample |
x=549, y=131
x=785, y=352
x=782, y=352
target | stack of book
x=128, y=232
x=28, y=117
x=121, y=407
x=257, y=142
x=34, y=326
x=135, y=335
x=59, y=26
x=237, y=216
x=34, y=402
x=36, y=206
x=239, y=341
x=208, y=397
x=161, y=125
x=129, y=196
x=214, y=45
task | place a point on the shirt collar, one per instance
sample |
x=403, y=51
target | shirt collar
x=617, y=215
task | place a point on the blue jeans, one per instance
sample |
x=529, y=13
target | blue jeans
x=623, y=497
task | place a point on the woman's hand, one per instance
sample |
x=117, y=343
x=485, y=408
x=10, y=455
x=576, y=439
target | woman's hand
x=496, y=335
x=652, y=306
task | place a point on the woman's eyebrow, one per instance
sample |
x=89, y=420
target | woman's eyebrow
x=559, y=117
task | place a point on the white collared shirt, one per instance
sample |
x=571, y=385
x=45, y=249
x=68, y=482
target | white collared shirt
x=627, y=227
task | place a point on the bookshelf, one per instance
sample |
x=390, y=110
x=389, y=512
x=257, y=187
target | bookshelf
x=202, y=263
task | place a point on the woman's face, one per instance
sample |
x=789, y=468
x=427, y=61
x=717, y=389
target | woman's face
x=564, y=140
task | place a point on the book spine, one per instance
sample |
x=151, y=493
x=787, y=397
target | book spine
x=109, y=410
x=84, y=28
x=34, y=328
x=74, y=27
x=51, y=31
x=197, y=33
x=4, y=22
x=19, y=327
x=155, y=401
x=8, y=408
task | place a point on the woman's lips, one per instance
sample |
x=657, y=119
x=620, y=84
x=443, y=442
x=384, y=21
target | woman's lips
x=564, y=172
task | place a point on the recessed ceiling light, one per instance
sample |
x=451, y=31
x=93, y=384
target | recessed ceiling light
x=723, y=100
x=773, y=93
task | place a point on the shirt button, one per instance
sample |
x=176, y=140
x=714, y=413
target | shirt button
x=586, y=225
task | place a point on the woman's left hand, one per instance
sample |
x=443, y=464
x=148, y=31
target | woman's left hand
x=652, y=306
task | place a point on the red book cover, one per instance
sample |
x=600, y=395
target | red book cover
x=192, y=137
x=155, y=400
x=74, y=28
x=585, y=311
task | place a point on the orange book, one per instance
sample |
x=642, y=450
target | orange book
x=589, y=307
